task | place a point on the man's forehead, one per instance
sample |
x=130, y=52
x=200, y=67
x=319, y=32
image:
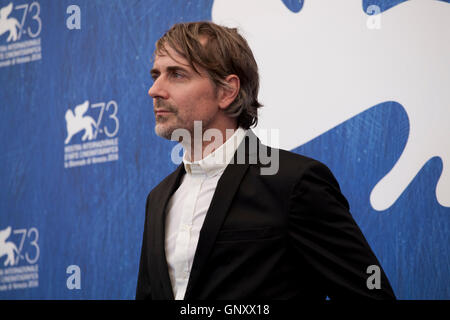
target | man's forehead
x=169, y=58
x=167, y=53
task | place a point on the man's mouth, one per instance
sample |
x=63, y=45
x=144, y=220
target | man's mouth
x=162, y=112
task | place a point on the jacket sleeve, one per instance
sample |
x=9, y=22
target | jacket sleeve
x=143, y=291
x=329, y=241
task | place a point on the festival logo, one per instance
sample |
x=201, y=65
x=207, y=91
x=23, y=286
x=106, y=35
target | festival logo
x=7, y=248
x=20, y=27
x=76, y=122
x=98, y=141
x=7, y=24
x=19, y=269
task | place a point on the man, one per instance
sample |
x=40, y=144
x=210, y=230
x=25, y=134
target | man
x=228, y=229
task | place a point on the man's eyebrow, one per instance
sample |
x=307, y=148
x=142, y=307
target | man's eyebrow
x=169, y=69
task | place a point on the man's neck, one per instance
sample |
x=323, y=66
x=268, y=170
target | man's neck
x=204, y=144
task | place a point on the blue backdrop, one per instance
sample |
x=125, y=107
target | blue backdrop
x=82, y=202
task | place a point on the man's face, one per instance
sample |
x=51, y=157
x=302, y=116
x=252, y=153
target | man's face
x=181, y=95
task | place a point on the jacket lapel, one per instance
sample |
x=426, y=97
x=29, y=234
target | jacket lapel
x=226, y=188
x=158, y=230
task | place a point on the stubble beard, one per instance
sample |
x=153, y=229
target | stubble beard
x=166, y=125
x=163, y=129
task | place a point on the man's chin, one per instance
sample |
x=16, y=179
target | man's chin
x=163, y=132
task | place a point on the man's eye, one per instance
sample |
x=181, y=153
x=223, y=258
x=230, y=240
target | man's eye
x=177, y=75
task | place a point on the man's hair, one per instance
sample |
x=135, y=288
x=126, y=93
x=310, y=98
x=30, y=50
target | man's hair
x=225, y=52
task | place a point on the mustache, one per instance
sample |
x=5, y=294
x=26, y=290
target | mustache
x=163, y=105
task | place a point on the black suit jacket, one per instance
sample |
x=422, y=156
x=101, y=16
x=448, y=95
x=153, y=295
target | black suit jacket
x=283, y=236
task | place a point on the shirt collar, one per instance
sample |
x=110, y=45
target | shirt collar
x=217, y=160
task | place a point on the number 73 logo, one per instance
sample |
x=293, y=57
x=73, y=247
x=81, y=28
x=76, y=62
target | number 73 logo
x=9, y=248
x=77, y=121
x=110, y=106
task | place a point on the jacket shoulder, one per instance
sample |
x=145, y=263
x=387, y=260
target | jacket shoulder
x=294, y=163
x=167, y=182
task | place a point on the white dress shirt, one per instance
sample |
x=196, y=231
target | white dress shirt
x=186, y=209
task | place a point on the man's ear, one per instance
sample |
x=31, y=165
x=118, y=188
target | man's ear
x=228, y=93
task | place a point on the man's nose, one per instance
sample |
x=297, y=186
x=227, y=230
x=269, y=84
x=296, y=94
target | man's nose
x=157, y=90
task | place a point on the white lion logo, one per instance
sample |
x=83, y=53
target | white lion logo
x=11, y=24
x=76, y=123
x=7, y=248
x=326, y=66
